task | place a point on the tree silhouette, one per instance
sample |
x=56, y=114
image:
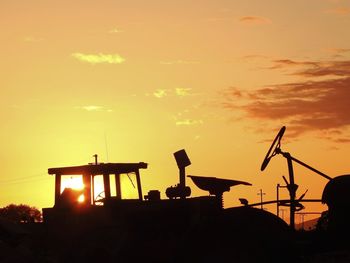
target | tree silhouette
x=21, y=213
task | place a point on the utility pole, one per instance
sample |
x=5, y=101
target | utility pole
x=278, y=196
x=302, y=215
x=261, y=198
x=282, y=210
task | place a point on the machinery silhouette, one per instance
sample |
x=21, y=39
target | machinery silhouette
x=109, y=226
x=180, y=228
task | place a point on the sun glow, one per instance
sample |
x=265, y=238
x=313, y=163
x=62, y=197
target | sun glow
x=74, y=182
x=81, y=198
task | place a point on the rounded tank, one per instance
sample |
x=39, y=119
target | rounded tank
x=336, y=195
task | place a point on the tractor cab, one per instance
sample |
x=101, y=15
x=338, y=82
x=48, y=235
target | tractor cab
x=88, y=187
x=111, y=175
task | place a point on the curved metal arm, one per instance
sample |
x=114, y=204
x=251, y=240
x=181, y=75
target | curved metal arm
x=287, y=155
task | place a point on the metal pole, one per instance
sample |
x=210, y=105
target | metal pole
x=93, y=188
x=286, y=201
x=311, y=168
x=277, y=204
x=182, y=174
x=261, y=198
x=292, y=190
x=57, y=188
x=278, y=196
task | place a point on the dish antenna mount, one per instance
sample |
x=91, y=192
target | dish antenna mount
x=275, y=149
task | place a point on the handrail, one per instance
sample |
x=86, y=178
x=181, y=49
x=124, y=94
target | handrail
x=283, y=200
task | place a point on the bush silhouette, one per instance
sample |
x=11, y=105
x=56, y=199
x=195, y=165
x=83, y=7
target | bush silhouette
x=21, y=213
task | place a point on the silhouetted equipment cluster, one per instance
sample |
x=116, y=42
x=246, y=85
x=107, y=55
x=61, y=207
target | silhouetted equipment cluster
x=334, y=224
x=96, y=207
x=180, y=190
x=199, y=226
x=195, y=228
x=275, y=149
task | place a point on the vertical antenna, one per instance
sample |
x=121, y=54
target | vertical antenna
x=95, y=156
x=106, y=146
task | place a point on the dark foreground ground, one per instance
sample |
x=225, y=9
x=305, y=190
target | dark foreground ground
x=212, y=241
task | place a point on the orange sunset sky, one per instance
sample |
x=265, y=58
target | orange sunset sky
x=138, y=80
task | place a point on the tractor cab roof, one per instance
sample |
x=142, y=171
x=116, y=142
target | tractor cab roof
x=99, y=169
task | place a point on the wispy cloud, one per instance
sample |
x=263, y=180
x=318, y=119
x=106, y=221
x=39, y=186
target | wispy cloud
x=338, y=50
x=172, y=62
x=254, y=20
x=282, y=63
x=188, y=122
x=339, y=11
x=177, y=92
x=337, y=53
x=115, y=31
x=182, y=92
x=187, y=117
x=93, y=108
x=315, y=68
x=99, y=58
x=328, y=68
x=160, y=93
x=309, y=105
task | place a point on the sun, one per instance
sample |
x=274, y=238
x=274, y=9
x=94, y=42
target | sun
x=74, y=182
x=81, y=198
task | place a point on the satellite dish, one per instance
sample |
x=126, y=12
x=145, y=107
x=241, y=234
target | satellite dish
x=275, y=146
